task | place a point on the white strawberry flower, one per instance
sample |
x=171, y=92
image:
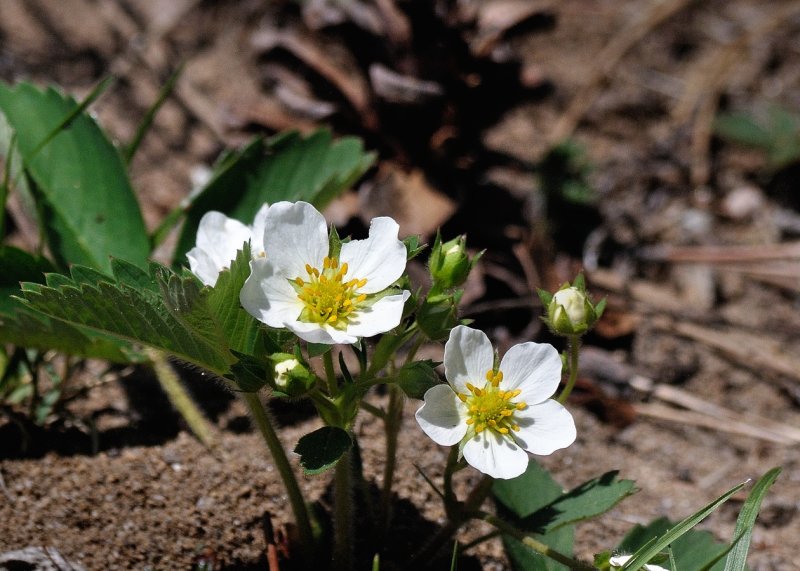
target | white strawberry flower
x=497, y=416
x=322, y=298
x=218, y=240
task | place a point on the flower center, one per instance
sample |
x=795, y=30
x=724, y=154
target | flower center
x=326, y=297
x=491, y=407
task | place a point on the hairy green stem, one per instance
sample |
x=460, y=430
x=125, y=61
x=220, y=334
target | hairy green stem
x=574, y=344
x=536, y=545
x=262, y=419
x=330, y=373
x=343, y=515
x=392, y=426
x=180, y=398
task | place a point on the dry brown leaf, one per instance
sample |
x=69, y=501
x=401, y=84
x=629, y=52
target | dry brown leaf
x=349, y=82
x=402, y=89
x=495, y=19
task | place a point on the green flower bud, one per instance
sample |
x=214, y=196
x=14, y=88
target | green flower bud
x=290, y=377
x=570, y=312
x=449, y=263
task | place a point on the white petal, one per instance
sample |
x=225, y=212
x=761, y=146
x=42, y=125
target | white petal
x=383, y=315
x=620, y=560
x=544, y=428
x=295, y=234
x=220, y=238
x=495, y=455
x=468, y=355
x=268, y=296
x=203, y=266
x=320, y=333
x=534, y=368
x=442, y=416
x=258, y=227
x=381, y=258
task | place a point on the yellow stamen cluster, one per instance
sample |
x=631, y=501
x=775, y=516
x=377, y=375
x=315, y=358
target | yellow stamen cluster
x=491, y=407
x=325, y=294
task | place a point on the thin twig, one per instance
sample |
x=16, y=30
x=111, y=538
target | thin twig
x=657, y=410
x=608, y=59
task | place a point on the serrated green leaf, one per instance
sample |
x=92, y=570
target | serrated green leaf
x=139, y=316
x=516, y=496
x=515, y=503
x=314, y=168
x=586, y=501
x=25, y=328
x=88, y=208
x=737, y=559
x=321, y=449
x=590, y=499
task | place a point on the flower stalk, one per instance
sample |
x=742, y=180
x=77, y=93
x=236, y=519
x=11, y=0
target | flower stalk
x=574, y=345
x=263, y=422
x=535, y=544
x=343, y=514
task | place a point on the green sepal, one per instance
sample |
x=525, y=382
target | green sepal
x=249, y=374
x=334, y=243
x=417, y=377
x=413, y=247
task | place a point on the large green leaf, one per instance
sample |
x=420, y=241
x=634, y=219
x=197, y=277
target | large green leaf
x=25, y=328
x=86, y=203
x=516, y=500
x=586, y=501
x=180, y=318
x=314, y=168
x=321, y=449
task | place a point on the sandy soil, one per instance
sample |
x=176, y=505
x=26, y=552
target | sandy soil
x=144, y=494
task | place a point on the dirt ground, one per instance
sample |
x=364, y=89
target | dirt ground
x=691, y=383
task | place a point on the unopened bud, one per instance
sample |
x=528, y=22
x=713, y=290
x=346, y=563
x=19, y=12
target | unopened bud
x=291, y=378
x=450, y=263
x=570, y=311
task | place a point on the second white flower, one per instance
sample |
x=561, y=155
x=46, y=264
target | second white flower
x=319, y=297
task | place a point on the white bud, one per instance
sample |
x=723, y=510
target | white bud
x=282, y=371
x=573, y=301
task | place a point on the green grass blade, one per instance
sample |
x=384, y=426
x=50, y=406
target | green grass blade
x=655, y=546
x=747, y=518
x=165, y=91
x=98, y=90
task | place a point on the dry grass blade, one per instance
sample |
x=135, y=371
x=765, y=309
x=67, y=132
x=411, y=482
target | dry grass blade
x=752, y=351
x=662, y=412
x=710, y=77
x=608, y=59
x=715, y=416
